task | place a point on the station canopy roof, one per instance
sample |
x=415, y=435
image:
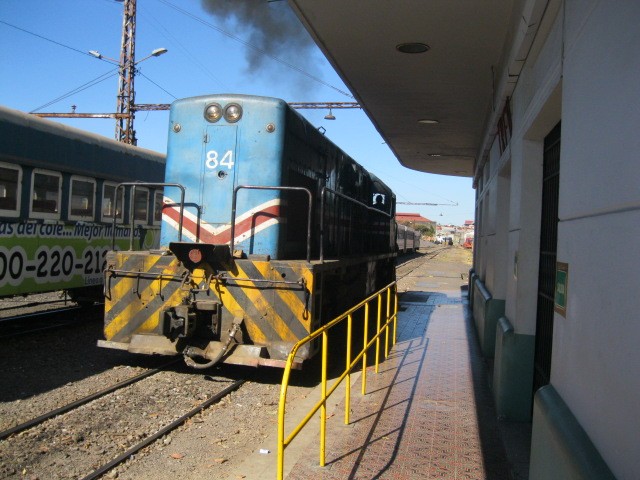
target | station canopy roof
x=451, y=82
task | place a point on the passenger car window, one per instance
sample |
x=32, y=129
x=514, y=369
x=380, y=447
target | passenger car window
x=45, y=194
x=82, y=198
x=109, y=208
x=141, y=205
x=10, y=178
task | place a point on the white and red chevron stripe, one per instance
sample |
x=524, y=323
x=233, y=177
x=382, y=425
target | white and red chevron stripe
x=247, y=224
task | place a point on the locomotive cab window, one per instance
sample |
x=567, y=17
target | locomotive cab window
x=379, y=201
x=10, y=181
x=45, y=194
x=81, y=201
x=141, y=205
x=157, y=207
x=112, y=205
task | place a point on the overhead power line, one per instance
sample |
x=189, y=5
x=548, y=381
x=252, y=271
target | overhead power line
x=45, y=38
x=430, y=204
x=82, y=87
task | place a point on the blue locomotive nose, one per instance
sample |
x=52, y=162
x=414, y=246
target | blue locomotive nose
x=206, y=154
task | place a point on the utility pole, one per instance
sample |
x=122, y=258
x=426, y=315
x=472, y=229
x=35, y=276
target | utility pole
x=125, y=110
x=126, y=107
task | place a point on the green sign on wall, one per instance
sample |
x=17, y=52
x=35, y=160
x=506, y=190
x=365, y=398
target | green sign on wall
x=562, y=284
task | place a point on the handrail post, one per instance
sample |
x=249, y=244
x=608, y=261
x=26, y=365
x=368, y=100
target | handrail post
x=386, y=328
x=323, y=408
x=378, y=332
x=322, y=195
x=132, y=216
x=395, y=317
x=347, y=403
x=364, y=355
x=281, y=416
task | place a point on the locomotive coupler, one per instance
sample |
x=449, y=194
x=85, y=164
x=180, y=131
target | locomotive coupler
x=180, y=323
x=191, y=352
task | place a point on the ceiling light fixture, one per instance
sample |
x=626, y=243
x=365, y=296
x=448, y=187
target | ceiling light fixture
x=412, y=47
x=428, y=121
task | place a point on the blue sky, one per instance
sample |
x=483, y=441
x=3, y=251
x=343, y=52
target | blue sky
x=208, y=53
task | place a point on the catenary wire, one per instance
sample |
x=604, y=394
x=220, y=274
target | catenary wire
x=78, y=89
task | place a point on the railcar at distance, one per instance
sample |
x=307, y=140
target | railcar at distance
x=279, y=231
x=58, y=200
x=407, y=239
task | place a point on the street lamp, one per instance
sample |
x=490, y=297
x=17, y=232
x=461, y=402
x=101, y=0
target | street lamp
x=155, y=53
x=125, y=111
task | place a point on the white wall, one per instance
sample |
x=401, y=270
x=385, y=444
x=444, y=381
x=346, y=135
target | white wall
x=596, y=353
x=536, y=106
x=583, y=68
x=524, y=235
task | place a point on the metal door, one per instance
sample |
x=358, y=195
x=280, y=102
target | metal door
x=547, y=262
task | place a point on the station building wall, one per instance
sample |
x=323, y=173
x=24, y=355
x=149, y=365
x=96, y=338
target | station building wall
x=583, y=69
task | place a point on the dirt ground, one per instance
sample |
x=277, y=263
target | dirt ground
x=44, y=371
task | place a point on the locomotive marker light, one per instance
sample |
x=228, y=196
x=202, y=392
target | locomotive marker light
x=213, y=112
x=232, y=112
x=195, y=255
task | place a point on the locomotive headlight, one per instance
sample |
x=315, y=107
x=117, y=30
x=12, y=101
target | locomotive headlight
x=232, y=112
x=213, y=112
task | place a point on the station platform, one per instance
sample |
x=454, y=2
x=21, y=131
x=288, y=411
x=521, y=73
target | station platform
x=428, y=413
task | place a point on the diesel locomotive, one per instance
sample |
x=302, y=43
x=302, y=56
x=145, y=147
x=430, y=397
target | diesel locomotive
x=268, y=231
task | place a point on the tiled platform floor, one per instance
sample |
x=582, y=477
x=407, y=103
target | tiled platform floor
x=428, y=413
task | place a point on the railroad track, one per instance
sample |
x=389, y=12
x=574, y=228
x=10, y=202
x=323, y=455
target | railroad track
x=41, y=321
x=407, y=268
x=163, y=431
x=77, y=403
x=26, y=427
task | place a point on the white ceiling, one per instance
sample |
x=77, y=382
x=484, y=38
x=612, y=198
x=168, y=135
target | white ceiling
x=452, y=82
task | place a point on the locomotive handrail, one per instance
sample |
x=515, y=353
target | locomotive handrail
x=352, y=200
x=223, y=278
x=381, y=328
x=259, y=187
x=131, y=212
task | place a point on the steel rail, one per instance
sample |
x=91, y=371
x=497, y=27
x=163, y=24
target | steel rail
x=65, y=408
x=411, y=265
x=33, y=316
x=152, y=438
x=35, y=321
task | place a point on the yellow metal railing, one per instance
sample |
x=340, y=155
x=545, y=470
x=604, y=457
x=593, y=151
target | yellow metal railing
x=381, y=328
